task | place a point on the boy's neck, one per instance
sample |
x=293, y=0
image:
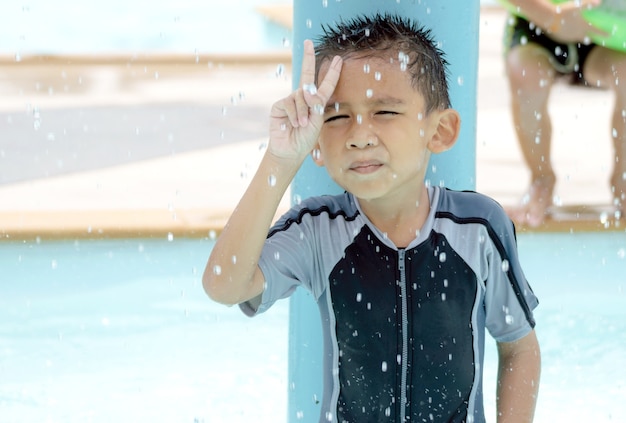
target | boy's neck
x=400, y=221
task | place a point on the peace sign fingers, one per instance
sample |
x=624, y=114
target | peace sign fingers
x=315, y=98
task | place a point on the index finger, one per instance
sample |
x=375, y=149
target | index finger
x=307, y=73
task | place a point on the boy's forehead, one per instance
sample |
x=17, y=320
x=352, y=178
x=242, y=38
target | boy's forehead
x=375, y=64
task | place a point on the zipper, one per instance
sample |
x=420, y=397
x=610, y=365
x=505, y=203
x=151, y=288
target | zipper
x=405, y=335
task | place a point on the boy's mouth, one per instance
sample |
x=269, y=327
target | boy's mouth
x=365, y=167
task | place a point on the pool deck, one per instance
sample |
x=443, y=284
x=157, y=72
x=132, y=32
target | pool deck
x=208, y=114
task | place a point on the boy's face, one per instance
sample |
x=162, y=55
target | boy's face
x=375, y=138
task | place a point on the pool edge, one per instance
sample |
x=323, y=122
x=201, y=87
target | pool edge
x=202, y=223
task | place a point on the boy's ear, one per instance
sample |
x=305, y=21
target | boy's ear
x=447, y=131
x=316, y=154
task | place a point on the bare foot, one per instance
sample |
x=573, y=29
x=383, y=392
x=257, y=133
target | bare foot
x=535, y=204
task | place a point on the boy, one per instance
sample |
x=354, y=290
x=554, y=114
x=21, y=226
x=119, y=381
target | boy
x=406, y=276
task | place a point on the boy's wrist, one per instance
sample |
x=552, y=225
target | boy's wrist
x=281, y=168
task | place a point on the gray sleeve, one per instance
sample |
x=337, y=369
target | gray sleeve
x=302, y=247
x=509, y=299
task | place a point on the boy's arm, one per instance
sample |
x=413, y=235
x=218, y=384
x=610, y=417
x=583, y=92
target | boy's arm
x=232, y=274
x=518, y=379
x=562, y=21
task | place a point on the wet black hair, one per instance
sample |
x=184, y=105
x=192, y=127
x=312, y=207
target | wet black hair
x=410, y=43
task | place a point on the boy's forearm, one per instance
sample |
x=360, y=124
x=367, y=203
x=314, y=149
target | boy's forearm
x=518, y=380
x=229, y=276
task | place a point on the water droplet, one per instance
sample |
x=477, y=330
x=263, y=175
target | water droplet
x=277, y=255
x=378, y=76
x=170, y=236
x=508, y=319
x=280, y=70
x=271, y=180
x=366, y=68
x=442, y=257
x=53, y=264
x=310, y=88
x=359, y=297
x=383, y=366
x=309, y=23
x=369, y=93
x=359, y=119
x=212, y=234
x=460, y=80
x=217, y=270
x=505, y=265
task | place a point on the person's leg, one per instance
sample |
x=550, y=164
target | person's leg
x=531, y=76
x=607, y=68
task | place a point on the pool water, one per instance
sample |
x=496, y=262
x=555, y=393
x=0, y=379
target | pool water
x=137, y=26
x=121, y=330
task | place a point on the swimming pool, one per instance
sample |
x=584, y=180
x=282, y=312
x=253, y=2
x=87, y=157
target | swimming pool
x=118, y=26
x=121, y=330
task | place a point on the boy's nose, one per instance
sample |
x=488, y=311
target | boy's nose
x=362, y=136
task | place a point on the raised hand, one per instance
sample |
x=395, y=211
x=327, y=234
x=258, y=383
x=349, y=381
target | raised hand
x=296, y=121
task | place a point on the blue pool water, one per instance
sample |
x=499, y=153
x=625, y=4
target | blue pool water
x=137, y=26
x=121, y=330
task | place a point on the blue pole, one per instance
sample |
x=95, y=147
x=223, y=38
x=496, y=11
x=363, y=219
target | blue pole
x=455, y=26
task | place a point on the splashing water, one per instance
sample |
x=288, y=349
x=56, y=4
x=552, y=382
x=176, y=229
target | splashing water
x=505, y=265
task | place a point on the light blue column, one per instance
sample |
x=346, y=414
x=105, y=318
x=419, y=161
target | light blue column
x=455, y=26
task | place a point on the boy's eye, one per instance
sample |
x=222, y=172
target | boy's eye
x=334, y=118
x=386, y=112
